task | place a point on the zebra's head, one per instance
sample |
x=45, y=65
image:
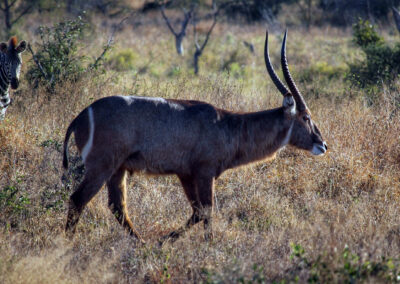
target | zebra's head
x=13, y=60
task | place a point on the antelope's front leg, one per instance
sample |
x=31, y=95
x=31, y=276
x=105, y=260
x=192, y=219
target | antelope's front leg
x=205, y=195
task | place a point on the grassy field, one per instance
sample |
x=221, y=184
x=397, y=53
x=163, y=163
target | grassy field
x=300, y=218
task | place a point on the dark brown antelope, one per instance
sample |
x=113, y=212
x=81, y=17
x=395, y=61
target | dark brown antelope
x=192, y=139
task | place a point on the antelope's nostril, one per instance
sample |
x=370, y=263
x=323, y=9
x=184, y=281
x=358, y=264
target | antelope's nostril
x=325, y=145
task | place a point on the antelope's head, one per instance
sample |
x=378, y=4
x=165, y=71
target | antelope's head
x=12, y=64
x=304, y=132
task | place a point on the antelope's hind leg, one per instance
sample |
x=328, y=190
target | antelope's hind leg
x=117, y=201
x=91, y=184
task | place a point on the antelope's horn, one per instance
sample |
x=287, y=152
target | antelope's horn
x=278, y=83
x=300, y=103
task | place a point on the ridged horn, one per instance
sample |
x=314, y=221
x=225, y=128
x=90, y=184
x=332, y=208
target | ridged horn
x=300, y=102
x=278, y=83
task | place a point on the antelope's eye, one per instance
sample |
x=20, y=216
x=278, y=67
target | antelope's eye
x=306, y=118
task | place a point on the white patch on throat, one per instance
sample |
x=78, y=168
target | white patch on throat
x=293, y=111
x=288, y=135
x=89, y=143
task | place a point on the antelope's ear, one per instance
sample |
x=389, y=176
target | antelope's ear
x=21, y=47
x=3, y=47
x=12, y=43
x=289, y=104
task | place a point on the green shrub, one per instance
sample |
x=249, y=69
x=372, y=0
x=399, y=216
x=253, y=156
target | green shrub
x=381, y=64
x=257, y=275
x=58, y=54
x=234, y=63
x=175, y=71
x=123, y=61
x=322, y=69
x=348, y=267
x=364, y=34
x=13, y=205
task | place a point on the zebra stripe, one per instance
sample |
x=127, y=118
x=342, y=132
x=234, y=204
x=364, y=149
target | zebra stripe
x=5, y=78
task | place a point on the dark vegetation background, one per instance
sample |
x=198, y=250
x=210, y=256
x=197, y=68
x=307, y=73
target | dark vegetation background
x=331, y=219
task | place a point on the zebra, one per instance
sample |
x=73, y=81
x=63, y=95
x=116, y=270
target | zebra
x=10, y=67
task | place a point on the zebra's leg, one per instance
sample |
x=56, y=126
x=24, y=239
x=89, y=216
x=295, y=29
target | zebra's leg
x=3, y=113
x=4, y=103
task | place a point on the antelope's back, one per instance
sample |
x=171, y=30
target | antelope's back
x=161, y=135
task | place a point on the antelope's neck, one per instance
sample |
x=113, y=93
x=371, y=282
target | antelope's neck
x=261, y=135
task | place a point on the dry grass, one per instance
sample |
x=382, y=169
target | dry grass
x=347, y=198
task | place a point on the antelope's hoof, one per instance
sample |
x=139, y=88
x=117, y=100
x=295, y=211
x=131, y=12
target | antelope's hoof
x=172, y=237
x=208, y=237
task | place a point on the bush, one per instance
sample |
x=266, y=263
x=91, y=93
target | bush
x=234, y=63
x=123, y=60
x=323, y=69
x=381, y=64
x=13, y=205
x=364, y=34
x=347, y=267
x=58, y=54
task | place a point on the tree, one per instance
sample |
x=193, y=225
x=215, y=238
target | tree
x=179, y=36
x=109, y=8
x=200, y=48
x=255, y=10
x=306, y=8
x=396, y=15
x=191, y=15
x=343, y=12
x=15, y=10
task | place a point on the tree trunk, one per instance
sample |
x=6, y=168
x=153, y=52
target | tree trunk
x=308, y=13
x=7, y=15
x=197, y=55
x=178, y=43
x=396, y=15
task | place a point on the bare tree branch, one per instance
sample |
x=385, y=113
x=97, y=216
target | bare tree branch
x=199, y=49
x=250, y=46
x=196, y=42
x=12, y=3
x=181, y=35
x=24, y=12
x=215, y=15
x=209, y=32
x=37, y=62
x=188, y=16
x=167, y=20
x=110, y=42
x=396, y=15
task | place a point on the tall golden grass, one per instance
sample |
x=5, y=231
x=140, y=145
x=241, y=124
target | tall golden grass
x=347, y=199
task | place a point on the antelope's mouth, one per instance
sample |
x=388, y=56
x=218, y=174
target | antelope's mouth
x=319, y=149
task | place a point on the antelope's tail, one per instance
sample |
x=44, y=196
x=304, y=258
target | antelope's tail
x=71, y=128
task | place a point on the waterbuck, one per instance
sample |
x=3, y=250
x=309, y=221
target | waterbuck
x=192, y=139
